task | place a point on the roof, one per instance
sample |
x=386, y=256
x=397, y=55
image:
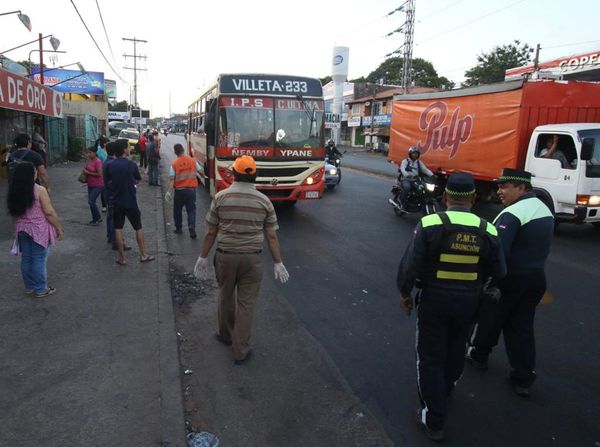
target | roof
x=469, y=91
x=387, y=94
x=569, y=126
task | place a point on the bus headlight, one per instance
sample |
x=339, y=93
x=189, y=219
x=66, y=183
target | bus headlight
x=310, y=181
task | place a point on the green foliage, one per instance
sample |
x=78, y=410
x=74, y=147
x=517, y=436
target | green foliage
x=75, y=148
x=325, y=80
x=120, y=106
x=491, y=66
x=424, y=74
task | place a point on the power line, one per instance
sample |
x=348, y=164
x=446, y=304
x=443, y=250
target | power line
x=105, y=33
x=471, y=21
x=573, y=44
x=438, y=11
x=96, y=43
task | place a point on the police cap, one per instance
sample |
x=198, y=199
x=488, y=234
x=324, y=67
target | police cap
x=514, y=175
x=460, y=185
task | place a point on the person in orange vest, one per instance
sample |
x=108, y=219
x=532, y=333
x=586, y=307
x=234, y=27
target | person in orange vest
x=184, y=181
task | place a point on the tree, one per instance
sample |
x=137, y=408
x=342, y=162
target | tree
x=119, y=106
x=29, y=65
x=424, y=74
x=491, y=66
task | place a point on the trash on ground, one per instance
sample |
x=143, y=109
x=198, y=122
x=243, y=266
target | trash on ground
x=188, y=372
x=202, y=439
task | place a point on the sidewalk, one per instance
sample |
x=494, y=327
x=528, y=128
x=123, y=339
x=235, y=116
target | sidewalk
x=370, y=162
x=96, y=363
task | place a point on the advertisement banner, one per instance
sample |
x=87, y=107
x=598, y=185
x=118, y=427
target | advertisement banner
x=71, y=81
x=472, y=134
x=269, y=152
x=110, y=88
x=19, y=93
x=354, y=121
x=123, y=116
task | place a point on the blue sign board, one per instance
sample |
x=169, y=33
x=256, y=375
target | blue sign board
x=71, y=81
x=378, y=120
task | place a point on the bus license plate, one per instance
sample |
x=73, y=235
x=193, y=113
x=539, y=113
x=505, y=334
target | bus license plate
x=312, y=194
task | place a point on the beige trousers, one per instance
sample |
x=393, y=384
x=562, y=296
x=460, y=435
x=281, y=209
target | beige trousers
x=239, y=277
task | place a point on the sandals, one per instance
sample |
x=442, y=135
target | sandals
x=148, y=258
x=49, y=291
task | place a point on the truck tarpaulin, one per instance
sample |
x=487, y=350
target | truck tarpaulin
x=473, y=132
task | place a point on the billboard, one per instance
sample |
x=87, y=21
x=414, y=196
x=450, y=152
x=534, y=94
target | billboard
x=72, y=81
x=110, y=88
x=20, y=93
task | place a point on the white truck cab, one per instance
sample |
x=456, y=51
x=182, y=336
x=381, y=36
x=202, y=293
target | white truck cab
x=568, y=181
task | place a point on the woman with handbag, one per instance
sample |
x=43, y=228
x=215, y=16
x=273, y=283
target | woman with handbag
x=95, y=182
x=36, y=227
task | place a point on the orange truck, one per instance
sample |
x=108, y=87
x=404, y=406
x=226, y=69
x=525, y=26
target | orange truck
x=481, y=130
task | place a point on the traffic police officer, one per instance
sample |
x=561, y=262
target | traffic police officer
x=452, y=254
x=525, y=228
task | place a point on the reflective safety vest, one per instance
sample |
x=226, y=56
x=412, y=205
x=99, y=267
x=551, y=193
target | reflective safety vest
x=463, y=250
x=185, y=172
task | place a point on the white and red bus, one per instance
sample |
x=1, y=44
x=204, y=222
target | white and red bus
x=276, y=119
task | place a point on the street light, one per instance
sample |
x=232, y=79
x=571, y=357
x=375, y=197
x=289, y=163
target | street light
x=53, y=41
x=24, y=18
x=45, y=51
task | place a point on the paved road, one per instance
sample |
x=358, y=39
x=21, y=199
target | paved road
x=343, y=251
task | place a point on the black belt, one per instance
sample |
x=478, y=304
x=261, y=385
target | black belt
x=239, y=253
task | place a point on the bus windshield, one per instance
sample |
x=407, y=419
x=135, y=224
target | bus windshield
x=255, y=121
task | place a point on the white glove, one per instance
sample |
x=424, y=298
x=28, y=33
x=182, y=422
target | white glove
x=168, y=196
x=280, y=272
x=201, y=268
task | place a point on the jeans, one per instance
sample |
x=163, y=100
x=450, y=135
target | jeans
x=93, y=193
x=153, y=174
x=33, y=263
x=143, y=159
x=187, y=198
x=407, y=185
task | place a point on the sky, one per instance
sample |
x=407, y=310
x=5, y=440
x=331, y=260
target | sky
x=191, y=42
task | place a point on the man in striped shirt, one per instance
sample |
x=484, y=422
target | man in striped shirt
x=239, y=219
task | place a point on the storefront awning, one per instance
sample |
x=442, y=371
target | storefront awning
x=19, y=93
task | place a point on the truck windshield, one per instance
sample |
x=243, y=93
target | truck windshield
x=593, y=165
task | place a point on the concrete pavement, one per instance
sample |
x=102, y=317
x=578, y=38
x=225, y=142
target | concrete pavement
x=97, y=362
x=370, y=162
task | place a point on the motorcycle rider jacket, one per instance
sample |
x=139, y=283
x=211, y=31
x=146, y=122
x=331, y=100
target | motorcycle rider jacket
x=410, y=169
x=453, y=250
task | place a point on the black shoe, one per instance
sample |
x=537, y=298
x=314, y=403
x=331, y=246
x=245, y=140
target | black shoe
x=193, y=233
x=482, y=366
x=178, y=231
x=520, y=391
x=244, y=360
x=94, y=223
x=222, y=339
x=126, y=248
x=434, y=435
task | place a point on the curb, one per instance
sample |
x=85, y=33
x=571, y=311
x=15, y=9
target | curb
x=172, y=421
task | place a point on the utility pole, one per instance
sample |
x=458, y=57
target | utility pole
x=135, y=57
x=409, y=32
x=536, y=61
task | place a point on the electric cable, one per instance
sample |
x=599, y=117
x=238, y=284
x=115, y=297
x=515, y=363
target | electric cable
x=570, y=44
x=105, y=33
x=438, y=11
x=96, y=43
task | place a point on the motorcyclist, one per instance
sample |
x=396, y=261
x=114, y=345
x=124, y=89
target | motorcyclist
x=332, y=152
x=410, y=169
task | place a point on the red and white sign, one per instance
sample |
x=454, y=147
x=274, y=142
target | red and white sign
x=19, y=93
x=269, y=152
x=565, y=65
x=247, y=103
x=294, y=104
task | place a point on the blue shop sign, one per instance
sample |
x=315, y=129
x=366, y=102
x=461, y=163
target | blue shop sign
x=72, y=81
x=378, y=120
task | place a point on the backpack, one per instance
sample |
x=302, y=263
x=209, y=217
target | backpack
x=12, y=163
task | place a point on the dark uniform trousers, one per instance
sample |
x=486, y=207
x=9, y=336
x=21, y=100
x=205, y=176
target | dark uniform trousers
x=443, y=325
x=513, y=315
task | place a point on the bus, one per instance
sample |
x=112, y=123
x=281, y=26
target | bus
x=277, y=119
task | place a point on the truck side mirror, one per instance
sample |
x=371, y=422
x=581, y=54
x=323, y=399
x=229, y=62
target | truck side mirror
x=587, y=149
x=209, y=121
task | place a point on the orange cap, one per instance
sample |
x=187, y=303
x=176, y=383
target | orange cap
x=244, y=165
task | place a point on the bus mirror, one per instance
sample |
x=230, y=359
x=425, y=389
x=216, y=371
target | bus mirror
x=280, y=135
x=587, y=149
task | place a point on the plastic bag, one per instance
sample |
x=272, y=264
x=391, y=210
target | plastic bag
x=202, y=439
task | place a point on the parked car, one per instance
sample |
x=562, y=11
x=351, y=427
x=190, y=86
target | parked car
x=115, y=127
x=132, y=136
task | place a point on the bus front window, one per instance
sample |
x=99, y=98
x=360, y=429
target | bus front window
x=246, y=122
x=301, y=122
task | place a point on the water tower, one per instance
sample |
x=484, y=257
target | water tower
x=339, y=74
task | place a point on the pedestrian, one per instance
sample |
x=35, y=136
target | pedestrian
x=153, y=153
x=36, y=227
x=23, y=152
x=102, y=155
x=184, y=181
x=109, y=193
x=239, y=219
x=525, y=228
x=95, y=183
x=449, y=258
x=123, y=175
x=39, y=145
x=143, y=155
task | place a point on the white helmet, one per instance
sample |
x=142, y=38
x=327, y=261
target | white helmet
x=414, y=150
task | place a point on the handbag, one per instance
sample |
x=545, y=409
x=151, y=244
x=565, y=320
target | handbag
x=15, y=247
x=82, y=177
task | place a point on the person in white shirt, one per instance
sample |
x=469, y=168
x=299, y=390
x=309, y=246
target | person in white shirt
x=551, y=151
x=410, y=169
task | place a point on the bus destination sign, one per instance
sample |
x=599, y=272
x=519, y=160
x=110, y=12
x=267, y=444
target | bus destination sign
x=270, y=85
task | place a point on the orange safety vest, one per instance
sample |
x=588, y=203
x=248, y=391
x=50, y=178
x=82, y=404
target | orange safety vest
x=185, y=172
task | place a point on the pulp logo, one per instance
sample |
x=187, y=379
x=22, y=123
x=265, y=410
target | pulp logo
x=439, y=136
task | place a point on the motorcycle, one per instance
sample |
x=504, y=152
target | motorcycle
x=421, y=198
x=333, y=171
